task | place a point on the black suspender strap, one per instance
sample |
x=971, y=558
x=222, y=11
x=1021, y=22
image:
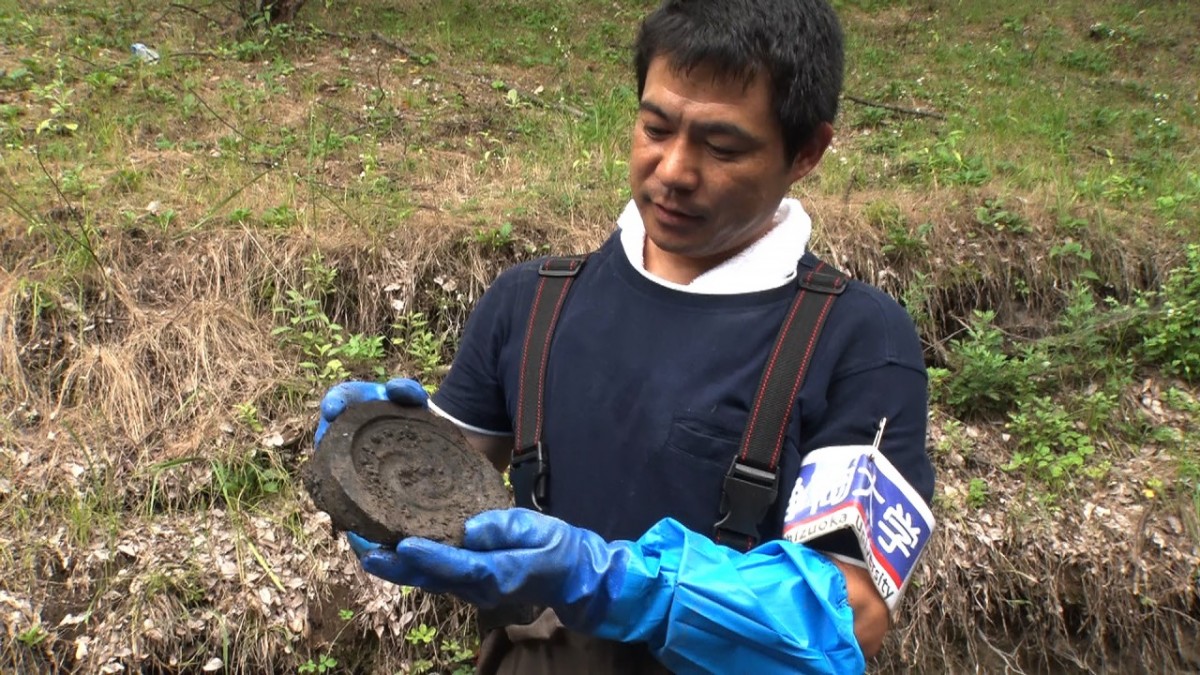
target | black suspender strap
x=529, y=473
x=530, y=470
x=752, y=483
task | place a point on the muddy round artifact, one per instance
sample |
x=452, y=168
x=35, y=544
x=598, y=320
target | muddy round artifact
x=387, y=472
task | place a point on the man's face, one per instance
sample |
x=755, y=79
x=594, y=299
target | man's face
x=708, y=167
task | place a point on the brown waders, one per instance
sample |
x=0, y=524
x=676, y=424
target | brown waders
x=545, y=647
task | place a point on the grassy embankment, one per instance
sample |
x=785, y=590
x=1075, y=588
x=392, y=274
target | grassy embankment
x=190, y=251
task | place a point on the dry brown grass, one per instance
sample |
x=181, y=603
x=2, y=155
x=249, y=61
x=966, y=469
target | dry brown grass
x=180, y=334
x=1097, y=583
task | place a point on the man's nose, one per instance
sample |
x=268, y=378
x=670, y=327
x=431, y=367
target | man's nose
x=679, y=167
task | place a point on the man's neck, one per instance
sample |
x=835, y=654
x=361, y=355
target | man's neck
x=675, y=268
x=682, y=269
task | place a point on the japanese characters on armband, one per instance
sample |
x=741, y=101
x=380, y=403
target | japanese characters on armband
x=855, y=487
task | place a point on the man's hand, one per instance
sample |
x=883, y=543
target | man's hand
x=698, y=606
x=871, y=618
x=512, y=555
x=401, y=391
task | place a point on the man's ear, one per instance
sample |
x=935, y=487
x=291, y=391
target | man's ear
x=811, y=152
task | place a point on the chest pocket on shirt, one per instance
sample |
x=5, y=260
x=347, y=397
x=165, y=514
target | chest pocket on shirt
x=683, y=479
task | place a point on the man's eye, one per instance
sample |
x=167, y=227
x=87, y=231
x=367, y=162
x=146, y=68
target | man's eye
x=722, y=152
x=655, y=132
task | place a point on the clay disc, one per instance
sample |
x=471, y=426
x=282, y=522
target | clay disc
x=387, y=472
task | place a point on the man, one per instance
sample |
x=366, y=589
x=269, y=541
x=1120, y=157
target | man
x=651, y=380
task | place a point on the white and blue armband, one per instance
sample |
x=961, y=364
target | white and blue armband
x=855, y=487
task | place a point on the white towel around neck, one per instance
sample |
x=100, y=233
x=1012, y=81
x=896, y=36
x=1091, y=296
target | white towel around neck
x=768, y=263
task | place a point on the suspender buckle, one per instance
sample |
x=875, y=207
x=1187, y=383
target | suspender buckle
x=561, y=267
x=823, y=282
x=748, y=494
x=530, y=477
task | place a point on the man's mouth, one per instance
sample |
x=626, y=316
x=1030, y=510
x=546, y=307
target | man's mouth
x=673, y=216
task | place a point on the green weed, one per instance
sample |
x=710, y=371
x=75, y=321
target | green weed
x=982, y=377
x=324, y=664
x=332, y=351
x=977, y=493
x=1171, y=334
x=416, y=338
x=946, y=162
x=421, y=634
x=495, y=238
x=1051, y=446
x=33, y=636
x=993, y=214
x=246, y=480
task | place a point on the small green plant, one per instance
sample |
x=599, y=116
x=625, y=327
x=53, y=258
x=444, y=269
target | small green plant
x=495, y=238
x=247, y=415
x=246, y=480
x=994, y=214
x=330, y=349
x=1171, y=333
x=164, y=218
x=455, y=652
x=33, y=636
x=17, y=79
x=128, y=179
x=419, y=342
x=1119, y=188
x=1090, y=61
x=1071, y=249
x=239, y=215
x=421, y=635
x=345, y=614
x=946, y=161
x=102, y=80
x=1051, y=444
x=977, y=493
x=281, y=216
x=983, y=378
x=324, y=664
x=904, y=242
x=57, y=95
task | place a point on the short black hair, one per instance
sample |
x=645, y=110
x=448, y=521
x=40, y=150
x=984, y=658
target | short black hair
x=797, y=43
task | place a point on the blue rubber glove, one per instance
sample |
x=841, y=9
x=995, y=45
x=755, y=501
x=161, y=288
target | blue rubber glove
x=700, y=607
x=401, y=391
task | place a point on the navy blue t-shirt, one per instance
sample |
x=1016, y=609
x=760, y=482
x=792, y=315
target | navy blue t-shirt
x=648, y=389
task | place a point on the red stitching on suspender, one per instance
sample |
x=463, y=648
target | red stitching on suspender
x=787, y=326
x=525, y=359
x=562, y=295
x=812, y=341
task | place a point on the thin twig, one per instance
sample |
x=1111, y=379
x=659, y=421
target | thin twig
x=895, y=108
x=17, y=206
x=263, y=162
x=374, y=35
x=221, y=204
x=83, y=240
x=380, y=38
x=542, y=103
x=1107, y=154
x=202, y=15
